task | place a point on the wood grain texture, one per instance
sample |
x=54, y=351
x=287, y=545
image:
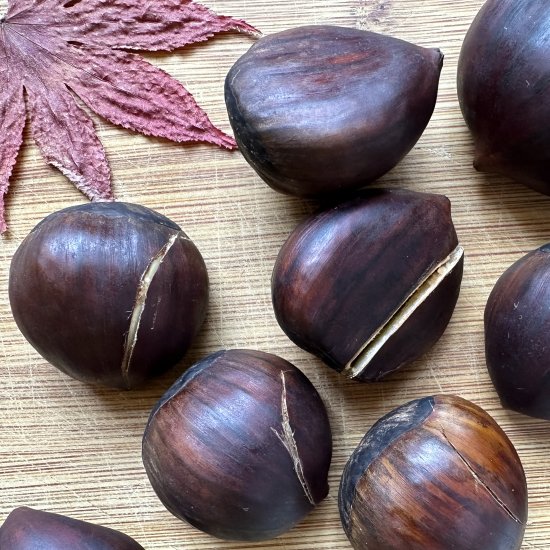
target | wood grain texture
x=70, y=448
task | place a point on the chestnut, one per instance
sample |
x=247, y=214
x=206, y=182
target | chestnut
x=323, y=109
x=110, y=293
x=370, y=284
x=29, y=529
x=240, y=446
x=503, y=83
x=517, y=335
x=435, y=473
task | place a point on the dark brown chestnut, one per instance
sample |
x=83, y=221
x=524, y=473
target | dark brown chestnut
x=239, y=446
x=434, y=474
x=29, y=529
x=503, y=83
x=370, y=284
x=321, y=109
x=517, y=335
x=109, y=293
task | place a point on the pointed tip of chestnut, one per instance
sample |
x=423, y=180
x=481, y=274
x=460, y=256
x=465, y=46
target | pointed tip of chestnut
x=438, y=57
x=30, y=529
x=322, y=109
x=437, y=472
x=485, y=161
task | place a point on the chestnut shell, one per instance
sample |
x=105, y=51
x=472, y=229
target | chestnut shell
x=517, y=335
x=436, y=473
x=240, y=446
x=29, y=529
x=321, y=109
x=109, y=293
x=343, y=281
x=503, y=84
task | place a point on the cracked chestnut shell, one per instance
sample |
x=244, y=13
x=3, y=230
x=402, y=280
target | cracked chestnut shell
x=109, y=293
x=434, y=474
x=321, y=109
x=517, y=335
x=370, y=285
x=503, y=83
x=29, y=529
x=240, y=446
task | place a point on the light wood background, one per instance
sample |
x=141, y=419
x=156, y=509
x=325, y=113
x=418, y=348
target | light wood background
x=73, y=449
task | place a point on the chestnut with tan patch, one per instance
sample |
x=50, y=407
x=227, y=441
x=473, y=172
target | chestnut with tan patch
x=435, y=473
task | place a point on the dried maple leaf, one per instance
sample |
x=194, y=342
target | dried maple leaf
x=51, y=50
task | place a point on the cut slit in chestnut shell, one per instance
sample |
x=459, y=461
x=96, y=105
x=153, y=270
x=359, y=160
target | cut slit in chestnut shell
x=240, y=446
x=370, y=285
x=436, y=473
x=324, y=109
x=109, y=293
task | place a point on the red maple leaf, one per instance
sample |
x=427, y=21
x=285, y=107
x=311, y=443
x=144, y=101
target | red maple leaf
x=52, y=50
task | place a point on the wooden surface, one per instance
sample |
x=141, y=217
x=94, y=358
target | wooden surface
x=69, y=448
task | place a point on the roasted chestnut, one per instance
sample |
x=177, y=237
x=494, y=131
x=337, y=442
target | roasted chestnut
x=517, y=335
x=28, y=529
x=109, y=293
x=370, y=284
x=321, y=109
x=503, y=83
x=436, y=473
x=239, y=446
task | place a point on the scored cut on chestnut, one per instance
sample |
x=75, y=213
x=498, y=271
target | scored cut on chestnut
x=109, y=293
x=370, y=285
x=240, y=446
x=436, y=473
x=29, y=529
x=321, y=109
x=517, y=335
x=503, y=80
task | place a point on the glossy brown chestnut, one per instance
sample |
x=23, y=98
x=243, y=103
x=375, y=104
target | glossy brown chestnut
x=503, y=83
x=434, y=474
x=371, y=284
x=109, y=293
x=28, y=529
x=517, y=335
x=321, y=109
x=239, y=446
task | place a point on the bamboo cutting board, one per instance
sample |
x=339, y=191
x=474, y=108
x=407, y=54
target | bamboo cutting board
x=69, y=448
